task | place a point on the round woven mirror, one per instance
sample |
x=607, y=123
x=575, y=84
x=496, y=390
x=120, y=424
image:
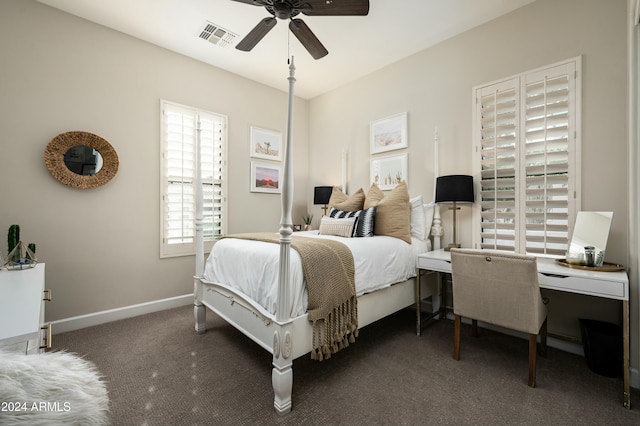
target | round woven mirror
x=81, y=159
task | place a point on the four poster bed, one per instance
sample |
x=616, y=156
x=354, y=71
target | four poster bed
x=259, y=287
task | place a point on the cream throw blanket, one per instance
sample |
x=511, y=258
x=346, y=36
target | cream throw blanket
x=329, y=274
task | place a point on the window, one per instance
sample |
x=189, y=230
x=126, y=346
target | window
x=179, y=129
x=527, y=141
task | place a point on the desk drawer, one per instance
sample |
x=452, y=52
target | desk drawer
x=601, y=288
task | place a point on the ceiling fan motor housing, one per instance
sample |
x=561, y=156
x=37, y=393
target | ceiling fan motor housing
x=284, y=9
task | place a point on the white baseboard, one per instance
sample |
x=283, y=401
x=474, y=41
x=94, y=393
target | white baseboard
x=96, y=318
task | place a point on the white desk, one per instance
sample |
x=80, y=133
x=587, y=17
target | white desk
x=610, y=285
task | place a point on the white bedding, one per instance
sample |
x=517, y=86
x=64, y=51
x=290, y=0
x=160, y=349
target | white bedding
x=251, y=267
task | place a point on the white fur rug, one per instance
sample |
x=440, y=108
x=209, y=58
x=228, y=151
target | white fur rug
x=51, y=388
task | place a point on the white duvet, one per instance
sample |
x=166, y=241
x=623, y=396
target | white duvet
x=251, y=267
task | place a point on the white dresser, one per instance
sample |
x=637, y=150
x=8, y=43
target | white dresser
x=22, y=301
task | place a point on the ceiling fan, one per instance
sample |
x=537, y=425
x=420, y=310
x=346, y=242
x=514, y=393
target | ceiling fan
x=288, y=9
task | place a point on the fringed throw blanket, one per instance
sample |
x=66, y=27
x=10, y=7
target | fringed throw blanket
x=329, y=272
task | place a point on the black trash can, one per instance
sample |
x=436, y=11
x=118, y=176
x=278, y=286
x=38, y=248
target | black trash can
x=602, y=347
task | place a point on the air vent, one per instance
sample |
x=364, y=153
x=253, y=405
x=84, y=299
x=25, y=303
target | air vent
x=217, y=35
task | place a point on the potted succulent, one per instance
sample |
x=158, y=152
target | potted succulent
x=20, y=256
x=307, y=218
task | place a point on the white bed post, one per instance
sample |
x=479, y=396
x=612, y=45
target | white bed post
x=282, y=373
x=199, y=311
x=436, y=228
x=343, y=171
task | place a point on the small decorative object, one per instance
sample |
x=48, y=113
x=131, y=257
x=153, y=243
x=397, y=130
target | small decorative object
x=574, y=257
x=20, y=256
x=13, y=237
x=589, y=255
x=297, y=228
x=388, y=134
x=307, y=221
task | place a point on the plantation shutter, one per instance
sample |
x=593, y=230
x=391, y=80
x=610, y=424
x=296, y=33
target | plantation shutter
x=549, y=128
x=497, y=109
x=179, y=132
x=526, y=160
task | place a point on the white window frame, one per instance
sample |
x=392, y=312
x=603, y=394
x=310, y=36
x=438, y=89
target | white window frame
x=180, y=240
x=543, y=243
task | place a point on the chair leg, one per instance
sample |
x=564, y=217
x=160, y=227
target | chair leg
x=543, y=339
x=456, y=337
x=533, y=343
x=474, y=328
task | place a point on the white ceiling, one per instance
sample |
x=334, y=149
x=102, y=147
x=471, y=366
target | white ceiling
x=394, y=29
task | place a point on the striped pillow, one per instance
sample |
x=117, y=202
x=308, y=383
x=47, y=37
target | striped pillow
x=342, y=227
x=364, y=224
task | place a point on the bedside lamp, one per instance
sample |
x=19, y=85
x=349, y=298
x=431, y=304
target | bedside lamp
x=454, y=189
x=321, y=195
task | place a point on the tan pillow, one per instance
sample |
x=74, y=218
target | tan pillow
x=341, y=201
x=393, y=211
x=374, y=196
x=341, y=227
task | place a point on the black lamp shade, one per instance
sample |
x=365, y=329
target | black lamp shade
x=454, y=188
x=322, y=194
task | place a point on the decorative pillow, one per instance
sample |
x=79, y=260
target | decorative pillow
x=393, y=211
x=364, y=224
x=418, y=220
x=374, y=196
x=342, y=227
x=342, y=201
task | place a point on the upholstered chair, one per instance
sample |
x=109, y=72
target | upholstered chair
x=500, y=289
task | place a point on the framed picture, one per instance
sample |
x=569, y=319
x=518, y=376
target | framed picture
x=265, y=144
x=388, y=134
x=265, y=177
x=388, y=171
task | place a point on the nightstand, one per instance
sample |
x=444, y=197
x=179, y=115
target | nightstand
x=425, y=266
x=22, y=297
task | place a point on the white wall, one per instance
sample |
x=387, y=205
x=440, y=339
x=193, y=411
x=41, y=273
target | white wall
x=435, y=87
x=101, y=246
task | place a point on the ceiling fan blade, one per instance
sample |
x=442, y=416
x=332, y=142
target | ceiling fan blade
x=335, y=7
x=307, y=38
x=252, y=2
x=256, y=34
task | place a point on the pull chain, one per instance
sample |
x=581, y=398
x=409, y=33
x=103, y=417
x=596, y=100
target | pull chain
x=288, y=47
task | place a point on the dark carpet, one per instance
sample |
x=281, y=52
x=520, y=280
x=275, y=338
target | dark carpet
x=160, y=372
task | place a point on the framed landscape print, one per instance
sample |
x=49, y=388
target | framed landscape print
x=266, y=144
x=388, y=134
x=388, y=171
x=265, y=177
